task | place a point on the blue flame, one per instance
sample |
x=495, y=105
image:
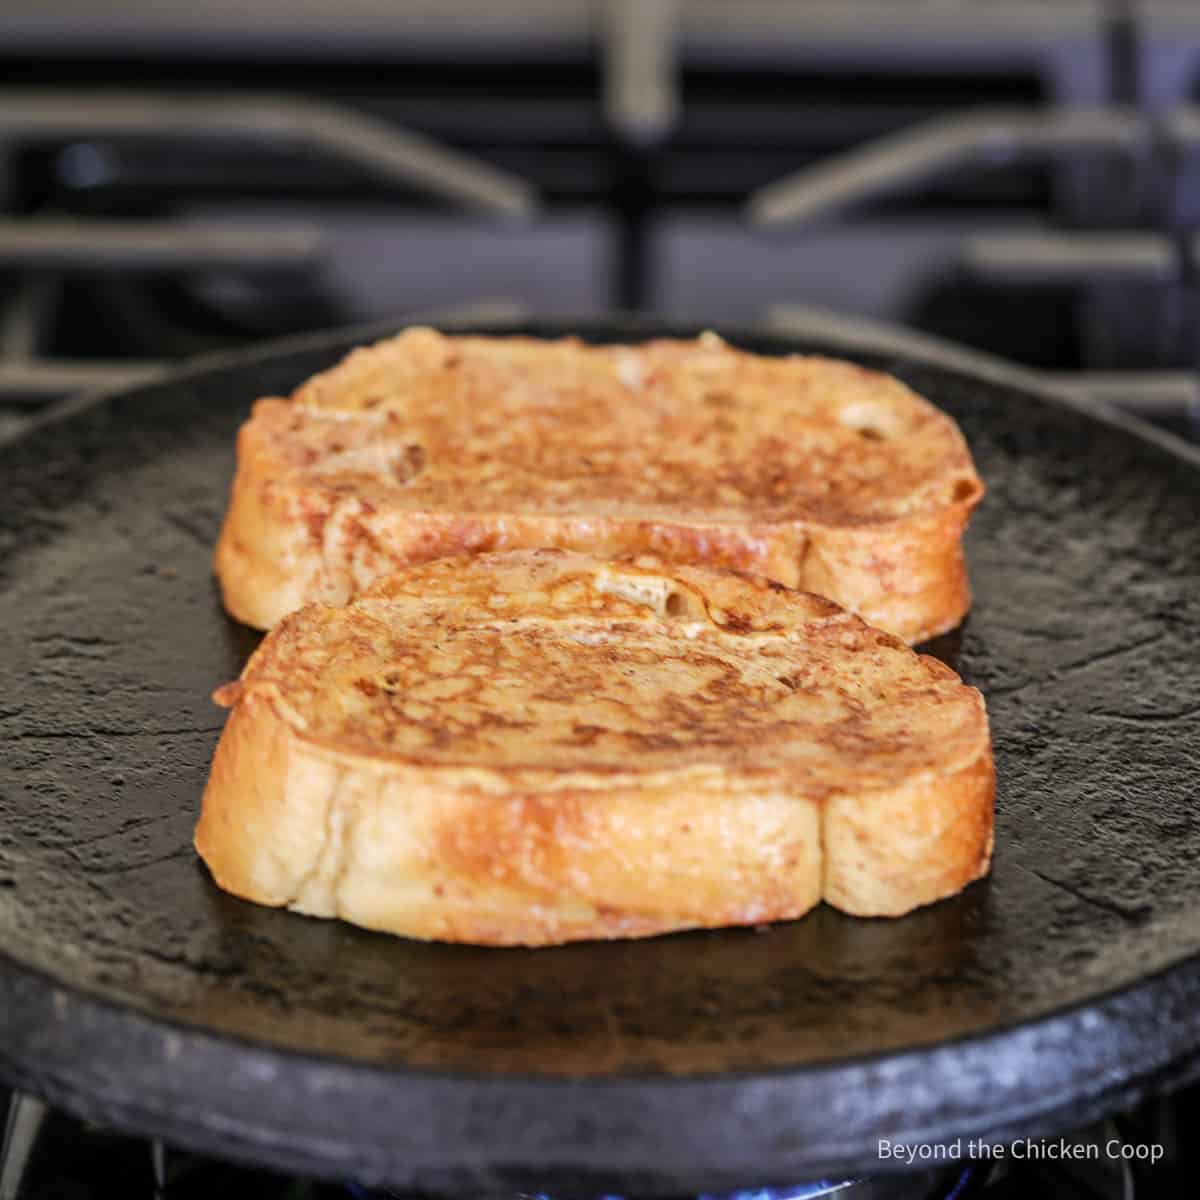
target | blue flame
x=803, y=1191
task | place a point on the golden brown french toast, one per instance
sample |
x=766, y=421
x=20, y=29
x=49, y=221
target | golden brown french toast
x=816, y=473
x=538, y=746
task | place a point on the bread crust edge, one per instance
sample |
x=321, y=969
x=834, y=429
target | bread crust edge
x=416, y=851
x=283, y=544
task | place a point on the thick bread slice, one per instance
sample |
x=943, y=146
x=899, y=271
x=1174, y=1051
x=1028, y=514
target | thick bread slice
x=536, y=747
x=816, y=473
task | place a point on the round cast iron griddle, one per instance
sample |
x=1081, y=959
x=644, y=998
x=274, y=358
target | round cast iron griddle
x=133, y=991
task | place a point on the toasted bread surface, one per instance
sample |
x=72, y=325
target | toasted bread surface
x=819, y=474
x=538, y=746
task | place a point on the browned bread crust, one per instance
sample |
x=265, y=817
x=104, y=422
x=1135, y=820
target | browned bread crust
x=537, y=747
x=820, y=474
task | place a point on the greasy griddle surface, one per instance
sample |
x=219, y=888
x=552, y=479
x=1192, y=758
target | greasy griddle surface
x=1085, y=562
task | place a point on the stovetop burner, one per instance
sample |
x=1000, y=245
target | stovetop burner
x=51, y=1156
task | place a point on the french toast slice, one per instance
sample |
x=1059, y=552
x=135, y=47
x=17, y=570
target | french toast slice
x=535, y=747
x=816, y=473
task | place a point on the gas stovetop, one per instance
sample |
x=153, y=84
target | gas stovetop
x=1022, y=177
